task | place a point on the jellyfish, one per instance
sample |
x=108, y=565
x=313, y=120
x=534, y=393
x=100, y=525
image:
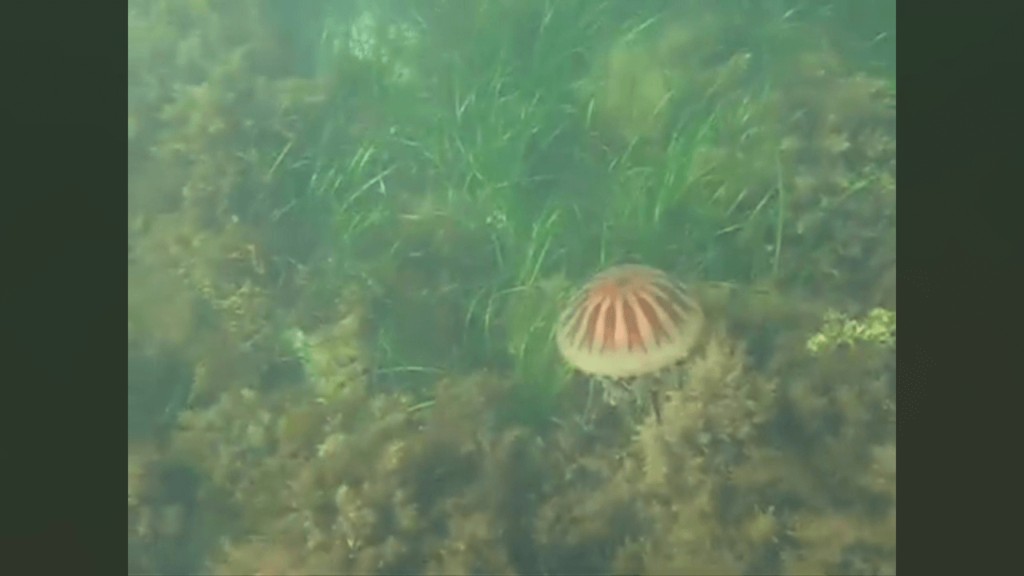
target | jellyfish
x=629, y=329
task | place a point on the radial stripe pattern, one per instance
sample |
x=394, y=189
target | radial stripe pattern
x=629, y=321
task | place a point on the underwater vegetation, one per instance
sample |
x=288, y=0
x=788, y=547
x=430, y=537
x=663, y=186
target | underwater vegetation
x=353, y=229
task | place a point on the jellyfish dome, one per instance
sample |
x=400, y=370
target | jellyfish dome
x=629, y=322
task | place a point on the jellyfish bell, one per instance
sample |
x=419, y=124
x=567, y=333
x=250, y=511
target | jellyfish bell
x=629, y=328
